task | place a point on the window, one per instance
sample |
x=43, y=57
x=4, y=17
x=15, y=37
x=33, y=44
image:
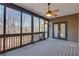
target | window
x=12, y=42
x=41, y=25
x=12, y=21
x=1, y=19
x=46, y=29
x=26, y=23
x=26, y=39
x=46, y=26
x=1, y=44
x=36, y=24
x=36, y=37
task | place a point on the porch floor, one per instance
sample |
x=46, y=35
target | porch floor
x=49, y=47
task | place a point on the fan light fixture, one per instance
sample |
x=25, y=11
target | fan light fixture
x=50, y=13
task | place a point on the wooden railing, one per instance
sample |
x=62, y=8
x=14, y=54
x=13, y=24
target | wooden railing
x=9, y=42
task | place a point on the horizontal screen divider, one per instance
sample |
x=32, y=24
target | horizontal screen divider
x=10, y=35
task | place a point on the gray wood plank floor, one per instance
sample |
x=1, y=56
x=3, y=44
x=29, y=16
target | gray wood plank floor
x=49, y=47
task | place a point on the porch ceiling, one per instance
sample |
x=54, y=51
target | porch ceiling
x=41, y=8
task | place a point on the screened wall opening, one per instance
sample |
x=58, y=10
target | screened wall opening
x=1, y=26
x=20, y=27
x=46, y=29
x=36, y=29
x=12, y=21
x=42, y=29
x=26, y=28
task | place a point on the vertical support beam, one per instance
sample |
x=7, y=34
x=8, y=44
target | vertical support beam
x=58, y=30
x=4, y=28
x=32, y=29
x=78, y=27
x=52, y=30
x=44, y=29
x=21, y=30
x=48, y=28
x=39, y=28
x=66, y=31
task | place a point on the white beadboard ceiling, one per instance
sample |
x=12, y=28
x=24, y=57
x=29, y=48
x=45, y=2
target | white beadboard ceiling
x=41, y=8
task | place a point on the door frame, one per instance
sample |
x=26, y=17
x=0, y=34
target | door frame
x=59, y=29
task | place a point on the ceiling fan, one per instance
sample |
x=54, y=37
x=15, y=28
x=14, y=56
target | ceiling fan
x=50, y=13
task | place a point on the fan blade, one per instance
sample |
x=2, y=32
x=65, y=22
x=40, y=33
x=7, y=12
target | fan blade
x=55, y=15
x=56, y=10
